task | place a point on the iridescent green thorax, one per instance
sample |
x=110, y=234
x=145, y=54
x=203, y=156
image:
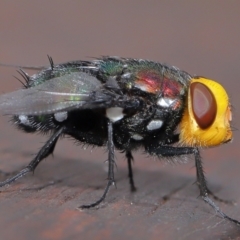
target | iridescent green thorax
x=110, y=67
x=147, y=76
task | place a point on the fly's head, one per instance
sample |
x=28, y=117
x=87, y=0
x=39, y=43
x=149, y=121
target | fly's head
x=207, y=116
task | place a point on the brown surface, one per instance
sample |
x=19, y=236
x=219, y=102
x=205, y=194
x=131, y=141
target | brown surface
x=201, y=38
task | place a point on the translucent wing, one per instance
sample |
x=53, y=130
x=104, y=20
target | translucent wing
x=71, y=91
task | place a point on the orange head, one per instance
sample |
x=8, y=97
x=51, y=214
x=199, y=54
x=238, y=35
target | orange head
x=207, y=115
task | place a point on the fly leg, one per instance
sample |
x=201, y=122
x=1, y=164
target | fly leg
x=169, y=151
x=46, y=150
x=130, y=171
x=218, y=198
x=111, y=163
x=201, y=181
x=175, y=139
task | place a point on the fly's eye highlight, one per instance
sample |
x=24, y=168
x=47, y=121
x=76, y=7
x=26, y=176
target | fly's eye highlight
x=204, y=105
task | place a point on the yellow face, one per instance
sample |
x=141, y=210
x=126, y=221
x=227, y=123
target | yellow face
x=207, y=116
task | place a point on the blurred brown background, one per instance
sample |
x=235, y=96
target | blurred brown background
x=201, y=37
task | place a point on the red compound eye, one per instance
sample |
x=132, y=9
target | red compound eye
x=203, y=105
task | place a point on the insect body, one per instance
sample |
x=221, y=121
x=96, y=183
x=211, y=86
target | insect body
x=124, y=104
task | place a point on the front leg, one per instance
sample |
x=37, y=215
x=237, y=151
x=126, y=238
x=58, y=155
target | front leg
x=170, y=151
x=202, y=184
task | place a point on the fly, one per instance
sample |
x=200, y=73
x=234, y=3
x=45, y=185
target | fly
x=123, y=104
